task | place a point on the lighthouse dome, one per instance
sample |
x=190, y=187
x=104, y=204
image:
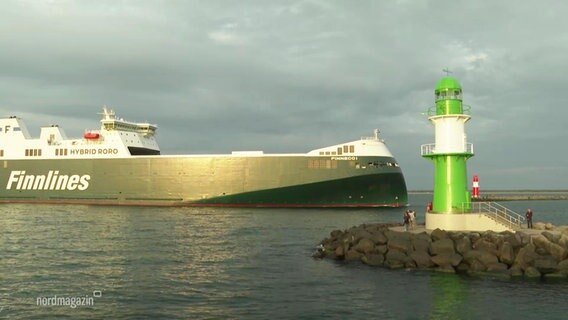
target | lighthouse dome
x=448, y=83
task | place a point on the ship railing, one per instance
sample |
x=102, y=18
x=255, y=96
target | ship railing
x=497, y=212
x=430, y=149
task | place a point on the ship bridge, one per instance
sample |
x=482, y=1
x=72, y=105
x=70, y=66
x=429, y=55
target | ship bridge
x=110, y=122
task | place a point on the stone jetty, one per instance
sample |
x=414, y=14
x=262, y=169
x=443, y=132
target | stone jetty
x=530, y=253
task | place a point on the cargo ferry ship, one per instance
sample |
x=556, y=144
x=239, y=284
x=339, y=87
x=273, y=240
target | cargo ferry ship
x=120, y=164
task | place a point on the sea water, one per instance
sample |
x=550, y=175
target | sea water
x=97, y=262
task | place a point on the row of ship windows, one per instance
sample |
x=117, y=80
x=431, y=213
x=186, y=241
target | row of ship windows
x=340, y=151
x=37, y=152
x=332, y=164
x=60, y=152
x=375, y=164
x=33, y=152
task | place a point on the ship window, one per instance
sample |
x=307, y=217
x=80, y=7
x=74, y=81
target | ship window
x=1, y=153
x=327, y=153
x=345, y=149
x=351, y=148
x=27, y=152
x=56, y=152
x=333, y=153
x=39, y=152
x=339, y=151
x=65, y=151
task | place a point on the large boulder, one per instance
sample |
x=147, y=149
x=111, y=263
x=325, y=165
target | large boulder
x=506, y=254
x=484, y=244
x=447, y=258
x=497, y=267
x=373, y=259
x=438, y=234
x=526, y=256
x=516, y=271
x=471, y=255
x=446, y=269
x=442, y=246
x=335, y=234
x=359, y=234
x=563, y=266
x=379, y=238
x=543, y=241
x=514, y=240
x=382, y=249
x=365, y=245
x=551, y=236
x=539, y=226
x=549, y=226
x=476, y=266
x=339, y=252
x=487, y=258
x=563, y=241
x=532, y=272
x=353, y=255
x=396, y=259
x=399, y=243
x=463, y=245
x=422, y=259
x=421, y=242
x=546, y=264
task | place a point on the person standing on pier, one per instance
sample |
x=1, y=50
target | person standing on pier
x=412, y=219
x=529, y=215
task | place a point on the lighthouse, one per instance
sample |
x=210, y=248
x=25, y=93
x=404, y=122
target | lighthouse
x=451, y=207
x=450, y=151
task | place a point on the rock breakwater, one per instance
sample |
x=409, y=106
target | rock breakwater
x=530, y=253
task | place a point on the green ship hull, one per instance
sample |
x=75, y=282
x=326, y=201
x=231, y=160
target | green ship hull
x=233, y=181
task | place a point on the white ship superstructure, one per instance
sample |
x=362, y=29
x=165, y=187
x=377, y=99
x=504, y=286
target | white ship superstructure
x=115, y=138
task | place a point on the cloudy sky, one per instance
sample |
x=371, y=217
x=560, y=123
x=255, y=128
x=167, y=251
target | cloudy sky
x=291, y=76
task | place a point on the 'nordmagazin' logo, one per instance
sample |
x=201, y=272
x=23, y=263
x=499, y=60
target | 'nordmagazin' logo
x=19, y=180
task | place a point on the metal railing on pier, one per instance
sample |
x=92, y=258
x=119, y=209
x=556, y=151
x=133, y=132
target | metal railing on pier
x=497, y=212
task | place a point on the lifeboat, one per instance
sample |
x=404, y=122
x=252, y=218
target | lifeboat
x=91, y=135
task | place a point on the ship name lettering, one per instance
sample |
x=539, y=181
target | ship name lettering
x=19, y=180
x=93, y=151
x=344, y=158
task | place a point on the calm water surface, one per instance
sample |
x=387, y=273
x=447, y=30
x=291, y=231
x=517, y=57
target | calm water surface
x=189, y=263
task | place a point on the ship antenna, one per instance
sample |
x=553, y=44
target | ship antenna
x=107, y=114
x=447, y=71
x=376, y=132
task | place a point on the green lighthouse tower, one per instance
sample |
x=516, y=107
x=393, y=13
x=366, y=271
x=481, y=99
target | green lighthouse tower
x=451, y=150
